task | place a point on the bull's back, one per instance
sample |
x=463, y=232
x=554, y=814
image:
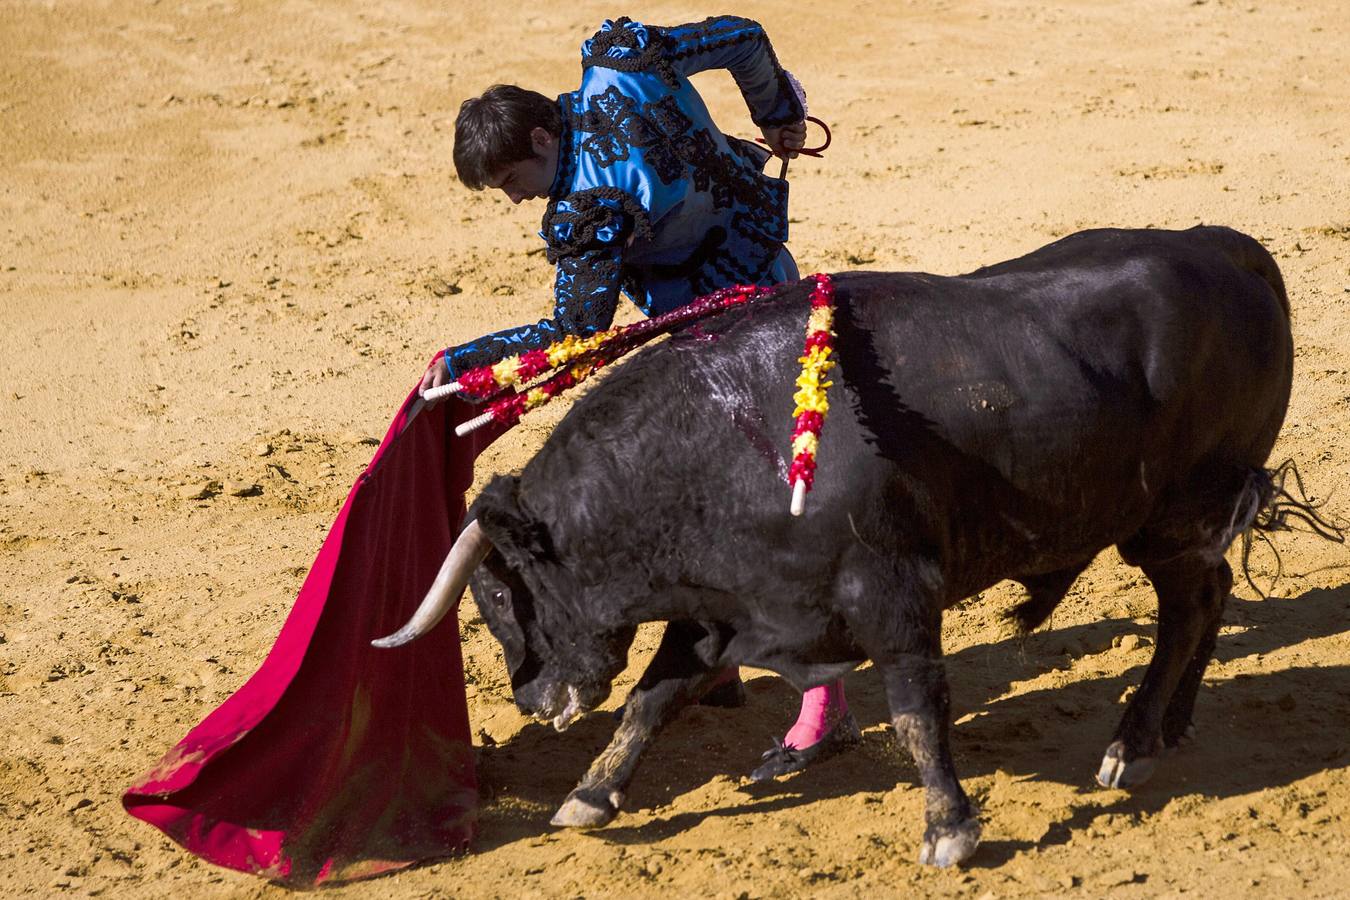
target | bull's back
x=1117, y=333
x=1080, y=378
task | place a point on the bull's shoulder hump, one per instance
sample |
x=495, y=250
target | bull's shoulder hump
x=866, y=284
x=924, y=299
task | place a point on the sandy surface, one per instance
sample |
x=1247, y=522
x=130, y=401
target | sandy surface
x=230, y=237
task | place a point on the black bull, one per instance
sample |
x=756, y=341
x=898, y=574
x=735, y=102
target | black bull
x=1114, y=388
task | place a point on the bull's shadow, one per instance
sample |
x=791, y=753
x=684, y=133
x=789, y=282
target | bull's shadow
x=1255, y=731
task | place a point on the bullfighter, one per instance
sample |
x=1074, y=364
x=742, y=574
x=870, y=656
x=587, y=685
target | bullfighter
x=647, y=196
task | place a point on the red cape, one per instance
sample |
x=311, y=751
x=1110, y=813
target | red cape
x=336, y=760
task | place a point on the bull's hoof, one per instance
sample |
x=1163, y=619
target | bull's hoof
x=1116, y=772
x=587, y=809
x=949, y=845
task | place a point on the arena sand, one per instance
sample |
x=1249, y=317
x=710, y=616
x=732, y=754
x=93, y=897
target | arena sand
x=230, y=238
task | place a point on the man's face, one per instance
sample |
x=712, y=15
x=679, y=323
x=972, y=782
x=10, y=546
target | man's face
x=530, y=179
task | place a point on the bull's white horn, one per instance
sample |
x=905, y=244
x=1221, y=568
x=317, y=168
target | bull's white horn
x=470, y=548
x=445, y=390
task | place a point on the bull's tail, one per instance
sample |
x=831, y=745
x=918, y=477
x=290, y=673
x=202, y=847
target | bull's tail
x=1275, y=500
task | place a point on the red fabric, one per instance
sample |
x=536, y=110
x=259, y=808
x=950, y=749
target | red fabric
x=337, y=760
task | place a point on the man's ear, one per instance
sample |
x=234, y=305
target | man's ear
x=541, y=140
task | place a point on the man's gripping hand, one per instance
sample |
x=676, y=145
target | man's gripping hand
x=436, y=375
x=785, y=140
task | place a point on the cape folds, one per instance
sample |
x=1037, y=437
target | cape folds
x=335, y=760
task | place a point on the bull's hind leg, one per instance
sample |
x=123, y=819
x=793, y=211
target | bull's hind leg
x=1191, y=592
x=678, y=674
x=1044, y=593
x=1176, y=723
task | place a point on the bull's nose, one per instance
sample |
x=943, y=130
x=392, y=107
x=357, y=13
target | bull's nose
x=543, y=702
x=571, y=712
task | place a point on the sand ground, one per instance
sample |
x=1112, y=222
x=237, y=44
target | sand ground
x=230, y=237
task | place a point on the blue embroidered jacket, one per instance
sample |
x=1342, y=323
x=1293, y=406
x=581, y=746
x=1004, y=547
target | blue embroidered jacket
x=649, y=195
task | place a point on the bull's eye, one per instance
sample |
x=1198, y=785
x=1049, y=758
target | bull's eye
x=498, y=596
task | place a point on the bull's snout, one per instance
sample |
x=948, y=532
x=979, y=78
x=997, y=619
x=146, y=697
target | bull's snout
x=558, y=703
x=571, y=711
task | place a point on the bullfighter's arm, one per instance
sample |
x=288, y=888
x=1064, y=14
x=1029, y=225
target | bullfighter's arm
x=740, y=46
x=586, y=237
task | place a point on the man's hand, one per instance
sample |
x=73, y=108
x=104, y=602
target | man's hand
x=785, y=140
x=436, y=375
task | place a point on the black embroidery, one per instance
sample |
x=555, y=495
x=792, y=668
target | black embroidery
x=616, y=125
x=731, y=178
x=665, y=125
x=650, y=58
x=751, y=264
x=611, y=118
x=493, y=348
x=706, y=167
x=754, y=155
x=714, y=33
x=667, y=117
x=586, y=216
x=587, y=291
x=734, y=180
x=567, y=157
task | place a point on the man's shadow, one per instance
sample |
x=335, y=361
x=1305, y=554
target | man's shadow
x=1255, y=731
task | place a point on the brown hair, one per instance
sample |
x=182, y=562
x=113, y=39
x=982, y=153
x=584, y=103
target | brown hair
x=493, y=130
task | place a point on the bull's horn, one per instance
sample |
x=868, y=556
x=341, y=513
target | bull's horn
x=470, y=548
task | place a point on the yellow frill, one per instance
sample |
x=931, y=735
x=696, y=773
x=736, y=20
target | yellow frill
x=806, y=442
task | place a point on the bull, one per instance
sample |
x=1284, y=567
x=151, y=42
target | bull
x=1117, y=387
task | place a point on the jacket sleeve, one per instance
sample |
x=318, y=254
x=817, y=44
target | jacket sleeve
x=740, y=46
x=586, y=234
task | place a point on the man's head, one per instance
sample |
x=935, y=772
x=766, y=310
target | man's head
x=508, y=139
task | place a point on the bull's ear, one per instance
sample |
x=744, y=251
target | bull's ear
x=516, y=534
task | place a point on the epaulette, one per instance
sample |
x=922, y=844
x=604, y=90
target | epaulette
x=629, y=46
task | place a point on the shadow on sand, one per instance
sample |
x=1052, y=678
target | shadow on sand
x=1255, y=731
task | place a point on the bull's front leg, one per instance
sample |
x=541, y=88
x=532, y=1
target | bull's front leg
x=903, y=638
x=916, y=689
x=677, y=675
